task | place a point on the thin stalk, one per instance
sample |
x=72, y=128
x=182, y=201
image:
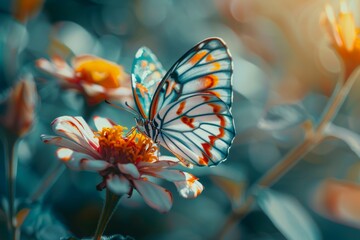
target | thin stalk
x=292, y=158
x=46, y=184
x=109, y=207
x=49, y=180
x=11, y=163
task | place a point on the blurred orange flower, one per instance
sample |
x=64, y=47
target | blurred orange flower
x=339, y=200
x=97, y=78
x=125, y=162
x=24, y=10
x=20, y=112
x=288, y=39
x=344, y=34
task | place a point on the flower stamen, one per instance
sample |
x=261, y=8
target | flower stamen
x=133, y=148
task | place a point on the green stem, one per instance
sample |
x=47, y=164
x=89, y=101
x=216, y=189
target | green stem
x=292, y=158
x=49, y=180
x=111, y=201
x=11, y=162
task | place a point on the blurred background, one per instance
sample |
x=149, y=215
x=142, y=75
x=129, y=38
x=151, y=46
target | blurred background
x=285, y=70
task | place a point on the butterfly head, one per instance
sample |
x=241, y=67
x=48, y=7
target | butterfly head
x=140, y=125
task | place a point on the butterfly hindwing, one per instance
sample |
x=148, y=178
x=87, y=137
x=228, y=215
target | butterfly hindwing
x=198, y=129
x=147, y=73
x=206, y=68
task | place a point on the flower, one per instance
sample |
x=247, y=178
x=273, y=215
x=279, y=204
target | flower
x=339, y=200
x=20, y=107
x=343, y=33
x=97, y=78
x=23, y=10
x=125, y=161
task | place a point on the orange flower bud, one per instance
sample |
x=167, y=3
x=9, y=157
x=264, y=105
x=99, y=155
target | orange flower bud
x=344, y=36
x=339, y=200
x=20, y=108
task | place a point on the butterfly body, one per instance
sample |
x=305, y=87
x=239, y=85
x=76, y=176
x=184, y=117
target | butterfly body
x=149, y=128
x=187, y=109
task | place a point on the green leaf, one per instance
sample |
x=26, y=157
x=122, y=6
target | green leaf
x=287, y=215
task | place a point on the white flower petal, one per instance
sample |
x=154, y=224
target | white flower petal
x=45, y=65
x=130, y=169
x=101, y=123
x=66, y=143
x=118, y=184
x=77, y=130
x=333, y=24
x=64, y=154
x=78, y=161
x=189, y=188
x=93, y=165
x=155, y=196
x=169, y=175
x=119, y=92
x=59, y=68
x=156, y=165
x=93, y=89
x=168, y=158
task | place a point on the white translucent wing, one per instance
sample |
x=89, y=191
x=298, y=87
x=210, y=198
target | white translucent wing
x=206, y=68
x=198, y=129
x=147, y=73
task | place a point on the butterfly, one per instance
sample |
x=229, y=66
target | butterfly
x=188, y=108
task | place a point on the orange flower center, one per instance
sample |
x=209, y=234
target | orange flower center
x=99, y=71
x=132, y=148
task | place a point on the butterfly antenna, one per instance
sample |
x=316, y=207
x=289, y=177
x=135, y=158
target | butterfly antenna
x=129, y=109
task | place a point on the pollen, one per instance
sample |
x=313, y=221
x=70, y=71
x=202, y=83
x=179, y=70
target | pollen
x=118, y=147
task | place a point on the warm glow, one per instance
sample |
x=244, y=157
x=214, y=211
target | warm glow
x=99, y=71
x=343, y=28
x=344, y=7
x=347, y=30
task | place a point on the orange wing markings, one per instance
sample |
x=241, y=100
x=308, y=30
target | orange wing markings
x=208, y=146
x=215, y=107
x=209, y=58
x=216, y=65
x=204, y=160
x=215, y=93
x=144, y=63
x=137, y=100
x=197, y=57
x=206, y=98
x=210, y=81
x=142, y=89
x=214, y=138
x=152, y=67
x=188, y=121
x=181, y=108
x=170, y=88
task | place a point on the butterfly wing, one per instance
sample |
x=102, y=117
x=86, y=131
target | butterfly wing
x=197, y=129
x=147, y=73
x=206, y=68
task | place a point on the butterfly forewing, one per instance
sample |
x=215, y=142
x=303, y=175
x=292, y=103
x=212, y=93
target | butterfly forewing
x=147, y=73
x=198, y=129
x=206, y=68
x=189, y=110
